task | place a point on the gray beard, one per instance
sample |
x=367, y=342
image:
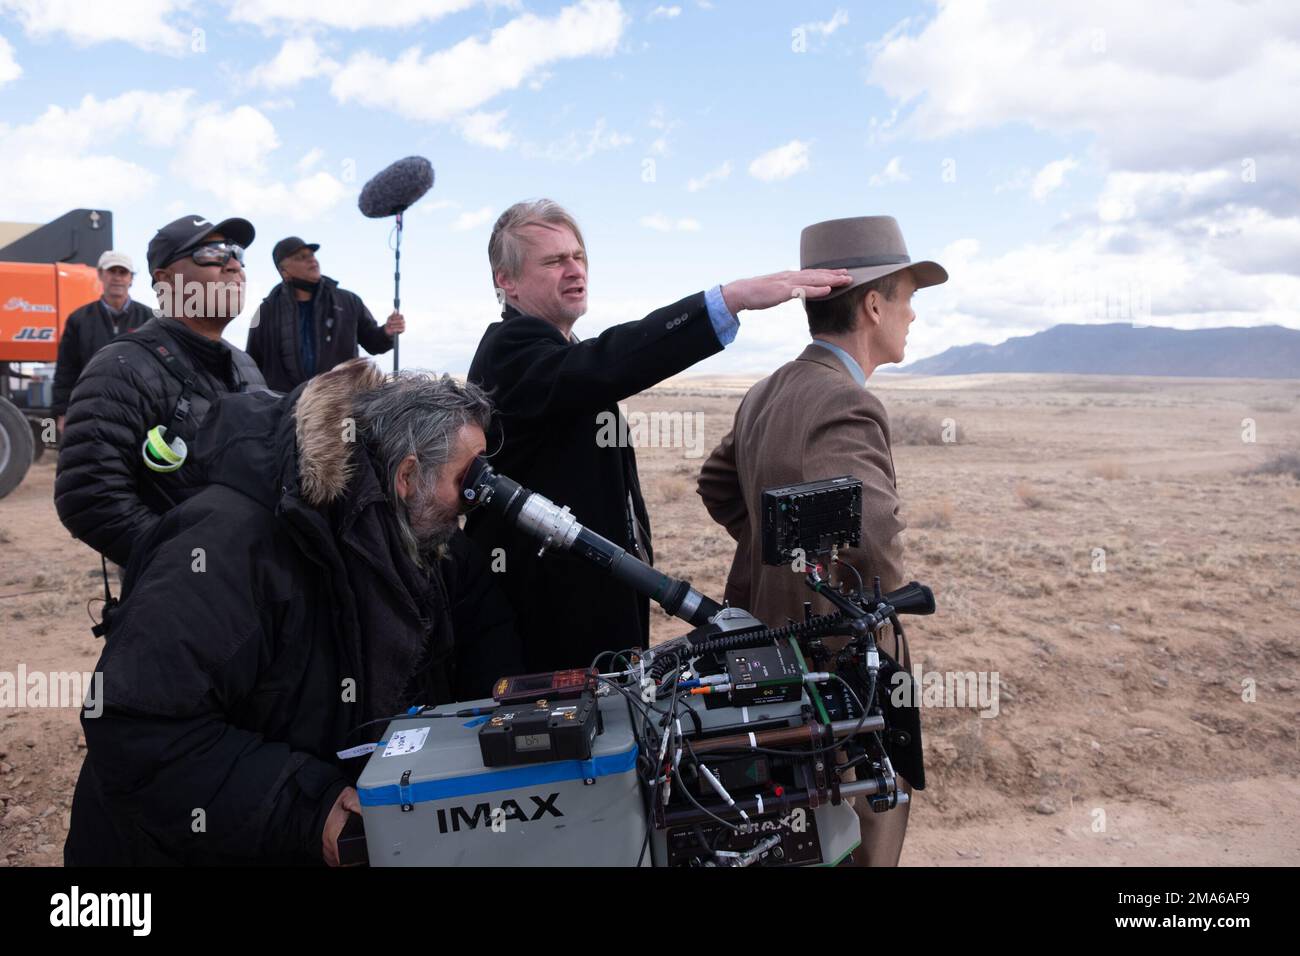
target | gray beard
x=426, y=527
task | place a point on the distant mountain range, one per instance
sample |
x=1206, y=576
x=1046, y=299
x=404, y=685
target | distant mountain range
x=1269, y=351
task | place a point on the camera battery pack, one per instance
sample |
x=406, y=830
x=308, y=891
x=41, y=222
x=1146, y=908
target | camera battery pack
x=539, y=731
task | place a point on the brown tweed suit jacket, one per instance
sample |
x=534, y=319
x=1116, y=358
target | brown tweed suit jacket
x=807, y=421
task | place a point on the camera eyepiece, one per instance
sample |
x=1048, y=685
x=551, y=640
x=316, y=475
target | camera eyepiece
x=477, y=487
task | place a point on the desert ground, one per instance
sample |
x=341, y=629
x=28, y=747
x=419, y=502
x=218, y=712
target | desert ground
x=1123, y=553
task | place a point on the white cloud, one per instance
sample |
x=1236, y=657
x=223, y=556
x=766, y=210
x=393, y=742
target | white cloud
x=344, y=14
x=63, y=158
x=300, y=58
x=660, y=121
x=579, y=146
x=892, y=173
x=1050, y=177
x=67, y=157
x=275, y=104
x=9, y=68
x=1225, y=90
x=437, y=205
x=1164, y=196
x=665, y=13
x=472, y=220
x=1201, y=191
x=781, y=163
x=826, y=27
x=309, y=160
x=484, y=129
x=227, y=152
x=443, y=85
x=716, y=175
x=1255, y=243
x=661, y=223
x=147, y=24
x=1015, y=181
x=1109, y=273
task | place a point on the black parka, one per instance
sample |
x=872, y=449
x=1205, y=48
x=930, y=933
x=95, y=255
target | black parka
x=341, y=322
x=104, y=493
x=268, y=616
x=553, y=397
x=88, y=330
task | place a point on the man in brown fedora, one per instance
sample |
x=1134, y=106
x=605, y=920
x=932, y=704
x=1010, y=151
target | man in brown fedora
x=815, y=418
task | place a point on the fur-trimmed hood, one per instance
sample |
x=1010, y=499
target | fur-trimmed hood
x=275, y=447
x=325, y=431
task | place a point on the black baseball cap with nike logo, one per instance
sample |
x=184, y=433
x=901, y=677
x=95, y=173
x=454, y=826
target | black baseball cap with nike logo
x=178, y=237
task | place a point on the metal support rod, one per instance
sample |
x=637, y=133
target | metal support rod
x=782, y=736
x=783, y=804
x=397, y=285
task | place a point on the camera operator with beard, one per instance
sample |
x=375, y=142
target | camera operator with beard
x=318, y=582
x=308, y=324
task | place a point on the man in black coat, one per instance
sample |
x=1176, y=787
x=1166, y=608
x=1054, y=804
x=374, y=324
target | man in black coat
x=95, y=324
x=307, y=324
x=555, y=397
x=318, y=582
x=155, y=385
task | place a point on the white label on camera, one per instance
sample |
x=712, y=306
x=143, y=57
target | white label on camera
x=360, y=751
x=406, y=742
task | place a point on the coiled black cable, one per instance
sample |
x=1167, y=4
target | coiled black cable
x=816, y=626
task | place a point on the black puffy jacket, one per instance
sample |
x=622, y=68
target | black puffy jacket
x=341, y=321
x=267, y=617
x=87, y=331
x=104, y=493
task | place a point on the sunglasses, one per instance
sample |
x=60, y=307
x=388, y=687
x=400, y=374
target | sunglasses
x=217, y=253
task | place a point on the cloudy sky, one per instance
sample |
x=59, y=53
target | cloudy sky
x=1108, y=161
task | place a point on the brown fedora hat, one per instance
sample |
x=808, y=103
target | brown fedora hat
x=868, y=246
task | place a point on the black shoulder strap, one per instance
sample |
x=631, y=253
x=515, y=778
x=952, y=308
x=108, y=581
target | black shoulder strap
x=110, y=603
x=165, y=352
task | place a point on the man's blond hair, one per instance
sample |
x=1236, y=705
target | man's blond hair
x=506, y=247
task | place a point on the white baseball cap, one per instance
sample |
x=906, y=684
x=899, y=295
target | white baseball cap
x=113, y=258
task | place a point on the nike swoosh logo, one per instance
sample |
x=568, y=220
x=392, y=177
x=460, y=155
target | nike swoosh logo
x=201, y=222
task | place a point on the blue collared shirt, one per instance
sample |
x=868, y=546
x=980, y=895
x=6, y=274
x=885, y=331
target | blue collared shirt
x=725, y=325
x=849, y=361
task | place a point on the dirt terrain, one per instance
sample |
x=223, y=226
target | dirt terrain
x=1104, y=545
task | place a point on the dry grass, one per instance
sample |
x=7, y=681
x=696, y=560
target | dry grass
x=936, y=515
x=1030, y=496
x=1197, y=591
x=1109, y=470
x=1283, y=463
x=915, y=428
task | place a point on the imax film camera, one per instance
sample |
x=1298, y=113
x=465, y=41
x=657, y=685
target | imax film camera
x=735, y=744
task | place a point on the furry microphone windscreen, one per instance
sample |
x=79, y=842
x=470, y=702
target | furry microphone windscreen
x=396, y=187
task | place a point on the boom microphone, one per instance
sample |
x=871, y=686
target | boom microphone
x=395, y=188
x=390, y=192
